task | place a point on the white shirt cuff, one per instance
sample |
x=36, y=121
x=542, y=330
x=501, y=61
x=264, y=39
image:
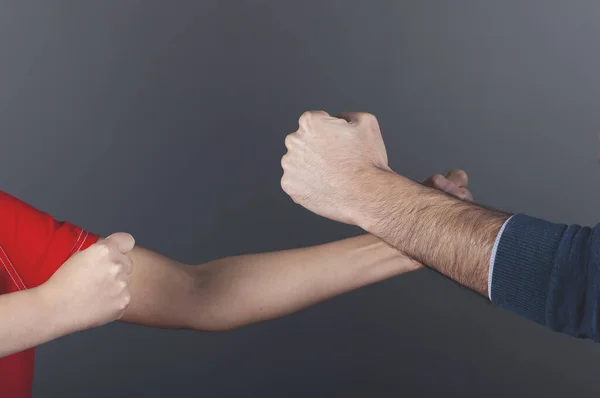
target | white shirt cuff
x=493, y=258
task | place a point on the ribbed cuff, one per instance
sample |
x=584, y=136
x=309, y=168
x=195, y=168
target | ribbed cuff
x=523, y=266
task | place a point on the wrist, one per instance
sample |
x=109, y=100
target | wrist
x=380, y=191
x=54, y=309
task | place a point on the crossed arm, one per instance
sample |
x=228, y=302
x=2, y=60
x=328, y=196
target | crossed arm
x=542, y=271
x=231, y=292
x=545, y=272
x=219, y=295
x=235, y=291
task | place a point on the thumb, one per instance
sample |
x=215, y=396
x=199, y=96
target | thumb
x=122, y=241
x=359, y=118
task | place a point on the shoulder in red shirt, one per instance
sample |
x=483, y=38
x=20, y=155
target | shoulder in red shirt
x=33, y=245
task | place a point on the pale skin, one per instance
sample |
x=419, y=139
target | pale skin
x=338, y=168
x=116, y=280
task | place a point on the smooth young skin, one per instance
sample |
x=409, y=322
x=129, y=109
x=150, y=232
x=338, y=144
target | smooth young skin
x=337, y=168
x=113, y=280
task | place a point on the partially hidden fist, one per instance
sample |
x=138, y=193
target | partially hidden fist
x=328, y=158
x=92, y=287
x=455, y=183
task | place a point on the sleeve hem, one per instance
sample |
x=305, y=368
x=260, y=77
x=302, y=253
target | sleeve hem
x=493, y=257
x=523, y=267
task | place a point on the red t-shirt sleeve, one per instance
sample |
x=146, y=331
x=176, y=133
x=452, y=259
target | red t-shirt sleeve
x=33, y=245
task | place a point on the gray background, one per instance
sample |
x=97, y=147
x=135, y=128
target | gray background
x=167, y=120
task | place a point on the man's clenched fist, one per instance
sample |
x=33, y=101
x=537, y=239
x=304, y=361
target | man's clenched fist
x=328, y=158
x=92, y=287
x=331, y=162
x=455, y=183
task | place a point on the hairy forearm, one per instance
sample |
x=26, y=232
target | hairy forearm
x=543, y=271
x=28, y=319
x=235, y=291
x=453, y=236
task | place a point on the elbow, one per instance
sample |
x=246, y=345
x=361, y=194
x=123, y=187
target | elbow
x=217, y=323
x=215, y=305
x=212, y=312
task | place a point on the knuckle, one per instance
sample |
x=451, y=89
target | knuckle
x=117, y=268
x=103, y=249
x=286, y=184
x=289, y=141
x=461, y=174
x=305, y=117
x=308, y=116
x=437, y=179
x=366, y=116
x=126, y=300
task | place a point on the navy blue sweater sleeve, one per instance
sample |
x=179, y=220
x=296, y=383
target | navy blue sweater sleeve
x=548, y=273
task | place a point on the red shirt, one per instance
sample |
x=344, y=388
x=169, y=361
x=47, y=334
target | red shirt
x=32, y=247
